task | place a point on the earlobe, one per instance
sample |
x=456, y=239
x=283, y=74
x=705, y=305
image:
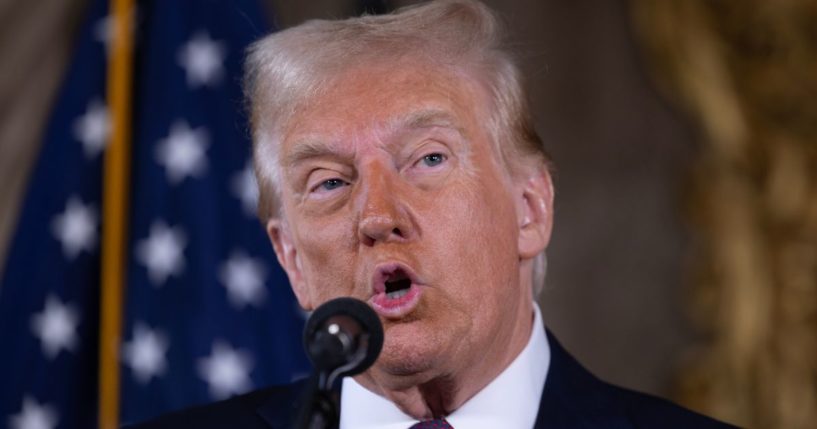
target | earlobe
x=535, y=210
x=288, y=257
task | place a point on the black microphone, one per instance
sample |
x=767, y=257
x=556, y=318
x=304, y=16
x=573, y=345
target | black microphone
x=342, y=337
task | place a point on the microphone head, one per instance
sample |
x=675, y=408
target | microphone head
x=343, y=337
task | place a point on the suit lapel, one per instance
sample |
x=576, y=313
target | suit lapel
x=280, y=409
x=575, y=399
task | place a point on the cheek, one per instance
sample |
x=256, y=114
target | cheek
x=475, y=225
x=327, y=263
x=474, y=247
x=482, y=210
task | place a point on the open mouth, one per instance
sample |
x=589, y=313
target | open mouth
x=397, y=284
x=396, y=290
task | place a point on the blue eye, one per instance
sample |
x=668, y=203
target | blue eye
x=433, y=159
x=332, y=184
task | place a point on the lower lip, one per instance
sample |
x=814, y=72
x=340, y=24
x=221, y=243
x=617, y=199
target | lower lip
x=398, y=307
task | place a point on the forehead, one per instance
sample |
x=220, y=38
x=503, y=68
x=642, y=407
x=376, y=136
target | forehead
x=385, y=98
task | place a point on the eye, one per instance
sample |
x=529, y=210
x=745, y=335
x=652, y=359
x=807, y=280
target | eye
x=433, y=159
x=331, y=184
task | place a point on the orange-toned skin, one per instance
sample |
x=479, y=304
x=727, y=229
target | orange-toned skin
x=464, y=225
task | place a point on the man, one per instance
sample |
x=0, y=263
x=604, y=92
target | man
x=398, y=165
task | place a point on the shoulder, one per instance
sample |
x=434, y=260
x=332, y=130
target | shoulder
x=647, y=411
x=250, y=410
x=575, y=398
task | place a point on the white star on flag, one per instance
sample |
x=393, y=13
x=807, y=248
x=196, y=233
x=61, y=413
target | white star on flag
x=93, y=129
x=244, y=279
x=202, y=59
x=75, y=228
x=182, y=152
x=56, y=326
x=162, y=252
x=226, y=371
x=145, y=353
x=245, y=188
x=34, y=416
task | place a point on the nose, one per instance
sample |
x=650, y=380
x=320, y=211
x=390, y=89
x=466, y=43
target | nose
x=384, y=215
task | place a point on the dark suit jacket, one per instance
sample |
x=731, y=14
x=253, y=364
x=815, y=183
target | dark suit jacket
x=572, y=399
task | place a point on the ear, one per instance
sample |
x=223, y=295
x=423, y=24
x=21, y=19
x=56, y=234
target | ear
x=535, y=212
x=281, y=238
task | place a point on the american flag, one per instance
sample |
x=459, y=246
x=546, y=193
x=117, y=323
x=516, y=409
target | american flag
x=207, y=311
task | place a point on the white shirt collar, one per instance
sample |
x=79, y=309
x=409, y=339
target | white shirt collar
x=510, y=400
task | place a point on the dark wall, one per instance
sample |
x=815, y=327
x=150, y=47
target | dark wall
x=615, y=290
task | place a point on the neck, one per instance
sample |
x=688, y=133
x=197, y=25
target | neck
x=425, y=396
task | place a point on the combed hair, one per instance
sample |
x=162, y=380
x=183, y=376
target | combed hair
x=287, y=68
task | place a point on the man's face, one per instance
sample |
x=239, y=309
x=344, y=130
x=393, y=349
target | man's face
x=393, y=193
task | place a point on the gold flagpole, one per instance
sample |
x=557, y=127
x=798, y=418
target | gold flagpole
x=115, y=211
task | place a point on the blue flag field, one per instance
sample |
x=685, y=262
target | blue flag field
x=207, y=311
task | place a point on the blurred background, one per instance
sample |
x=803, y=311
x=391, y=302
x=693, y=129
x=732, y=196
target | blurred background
x=684, y=258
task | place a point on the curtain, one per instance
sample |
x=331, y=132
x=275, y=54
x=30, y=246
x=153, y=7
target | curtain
x=746, y=73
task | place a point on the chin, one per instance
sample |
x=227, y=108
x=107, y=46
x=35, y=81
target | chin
x=408, y=354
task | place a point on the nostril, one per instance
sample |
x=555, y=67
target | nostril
x=381, y=229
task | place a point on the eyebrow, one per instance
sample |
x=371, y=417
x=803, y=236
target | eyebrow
x=426, y=118
x=306, y=149
x=312, y=147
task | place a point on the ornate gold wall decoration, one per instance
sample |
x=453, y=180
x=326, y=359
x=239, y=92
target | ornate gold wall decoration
x=746, y=71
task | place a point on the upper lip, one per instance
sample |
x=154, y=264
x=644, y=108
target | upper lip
x=384, y=270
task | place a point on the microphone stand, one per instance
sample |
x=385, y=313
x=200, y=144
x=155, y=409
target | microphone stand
x=319, y=407
x=342, y=337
